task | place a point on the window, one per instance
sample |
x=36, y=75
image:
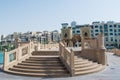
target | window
x=65, y=35
x=118, y=33
x=92, y=35
x=114, y=25
x=101, y=30
x=110, y=25
x=96, y=34
x=106, y=39
x=112, y=45
x=85, y=34
x=115, y=30
x=105, y=30
x=118, y=30
x=111, y=29
x=115, y=40
x=73, y=28
x=111, y=33
x=92, y=27
x=78, y=31
x=106, y=34
x=106, y=44
x=118, y=26
x=111, y=39
x=115, y=34
x=100, y=27
x=96, y=26
x=105, y=26
x=73, y=31
x=96, y=30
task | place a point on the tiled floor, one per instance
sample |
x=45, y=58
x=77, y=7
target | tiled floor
x=112, y=72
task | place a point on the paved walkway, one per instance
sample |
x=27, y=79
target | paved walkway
x=112, y=72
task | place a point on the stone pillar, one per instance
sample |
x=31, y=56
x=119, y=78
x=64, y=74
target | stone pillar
x=6, y=59
x=101, y=56
x=71, y=43
x=82, y=43
x=19, y=52
x=101, y=41
x=72, y=63
x=30, y=49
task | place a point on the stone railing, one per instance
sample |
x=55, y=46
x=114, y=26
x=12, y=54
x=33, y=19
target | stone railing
x=67, y=57
x=19, y=54
x=116, y=51
x=93, y=49
x=46, y=46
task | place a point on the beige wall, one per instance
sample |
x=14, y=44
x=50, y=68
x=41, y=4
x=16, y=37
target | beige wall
x=94, y=49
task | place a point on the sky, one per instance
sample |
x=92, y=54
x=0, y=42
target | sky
x=40, y=15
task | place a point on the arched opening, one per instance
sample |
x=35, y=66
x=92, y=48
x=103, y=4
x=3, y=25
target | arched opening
x=85, y=34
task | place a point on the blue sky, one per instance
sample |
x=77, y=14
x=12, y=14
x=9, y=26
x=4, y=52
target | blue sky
x=40, y=15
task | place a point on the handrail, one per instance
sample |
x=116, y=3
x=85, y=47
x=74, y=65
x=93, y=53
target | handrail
x=17, y=55
x=67, y=57
x=116, y=51
x=40, y=46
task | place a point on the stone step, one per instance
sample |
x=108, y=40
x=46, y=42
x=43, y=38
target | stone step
x=84, y=65
x=77, y=57
x=43, y=57
x=38, y=71
x=45, y=53
x=40, y=74
x=35, y=64
x=39, y=59
x=101, y=67
x=81, y=62
x=43, y=62
x=39, y=67
x=87, y=67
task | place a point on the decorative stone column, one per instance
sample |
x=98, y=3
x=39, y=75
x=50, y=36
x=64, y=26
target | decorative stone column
x=19, y=52
x=101, y=55
x=82, y=42
x=101, y=41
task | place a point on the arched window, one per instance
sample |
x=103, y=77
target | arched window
x=65, y=35
x=85, y=34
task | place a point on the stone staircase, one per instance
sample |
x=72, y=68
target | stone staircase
x=85, y=66
x=51, y=66
x=43, y=66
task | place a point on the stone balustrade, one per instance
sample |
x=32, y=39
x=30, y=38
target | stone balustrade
x=19, y=54
x=94, y=49
x=67, y=57
x=115, y=51
x=46, y=46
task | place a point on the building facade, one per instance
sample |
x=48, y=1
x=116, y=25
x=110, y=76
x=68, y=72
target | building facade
x=110, y=29
x=55, y=36
x=111, y=32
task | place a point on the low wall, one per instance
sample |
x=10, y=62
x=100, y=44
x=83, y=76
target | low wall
x=54, y=53
x=116, y=51
x=15, y=56
x=77, y=52
x=96, y=55
x=67, y=57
